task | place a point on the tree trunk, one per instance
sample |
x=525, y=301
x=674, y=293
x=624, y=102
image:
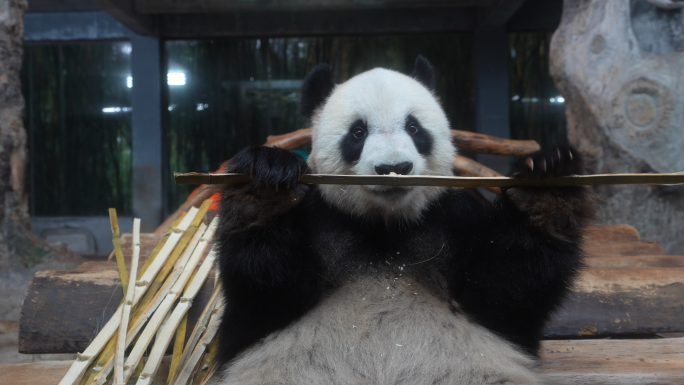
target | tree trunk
x=21, y=252
x=620, y=66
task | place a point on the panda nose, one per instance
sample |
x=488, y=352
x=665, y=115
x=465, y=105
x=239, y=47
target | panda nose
x=402, y=168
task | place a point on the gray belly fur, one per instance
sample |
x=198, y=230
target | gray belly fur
x=382, y=331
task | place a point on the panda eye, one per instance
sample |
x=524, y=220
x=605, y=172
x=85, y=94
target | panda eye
x=358, y=132
x=412, y=128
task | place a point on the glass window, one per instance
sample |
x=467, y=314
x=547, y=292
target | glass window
x=230, y=93
x=78, y=114
x=537, y=109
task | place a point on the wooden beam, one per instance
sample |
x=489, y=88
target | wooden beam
x=124, y=11
x=499, y=13
x=222, y=6
x=316, y=22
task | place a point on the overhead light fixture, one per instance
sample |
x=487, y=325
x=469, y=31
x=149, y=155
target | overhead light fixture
x=175, y=78
x=129, y=82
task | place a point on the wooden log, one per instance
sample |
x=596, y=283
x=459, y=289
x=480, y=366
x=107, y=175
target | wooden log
x=291, y=140
x=574, y=362
x=467, y=167
x=464, y=141
x=64, y=310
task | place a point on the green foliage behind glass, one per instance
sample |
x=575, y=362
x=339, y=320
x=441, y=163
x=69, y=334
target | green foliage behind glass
x=238, y=91
x=536, y=112
x=80, y=157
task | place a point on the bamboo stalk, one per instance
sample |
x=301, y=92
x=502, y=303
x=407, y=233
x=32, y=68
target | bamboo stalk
x=154, y=323
x=162, y=342
x=208, y=314
x=207, y=365
x=178, y=345
x=445, y=181
x=116, y=240
x=99, y=373
x=188, y=369
x=128, y=304
x=160, y=313
x=83, y=360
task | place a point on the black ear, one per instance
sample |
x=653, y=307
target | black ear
x=422, y=71
x=317, y=86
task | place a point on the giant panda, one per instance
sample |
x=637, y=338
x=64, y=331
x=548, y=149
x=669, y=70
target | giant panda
x=335, y=284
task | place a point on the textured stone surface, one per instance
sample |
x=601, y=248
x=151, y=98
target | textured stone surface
x=620, y=66
x=21, y=252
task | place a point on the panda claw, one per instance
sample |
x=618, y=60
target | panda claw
x=530, y=163
x=544, y=165
x=570, y=153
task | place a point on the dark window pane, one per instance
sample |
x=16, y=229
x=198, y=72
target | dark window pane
x=537, y=109
x=227, y=94
x=79, y=121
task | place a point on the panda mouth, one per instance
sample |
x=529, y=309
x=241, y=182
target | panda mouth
x=390, y=192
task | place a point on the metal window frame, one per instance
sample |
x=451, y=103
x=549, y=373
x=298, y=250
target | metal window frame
x=146, y=101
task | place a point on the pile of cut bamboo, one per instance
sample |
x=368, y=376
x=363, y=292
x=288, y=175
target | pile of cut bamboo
x=155, y=310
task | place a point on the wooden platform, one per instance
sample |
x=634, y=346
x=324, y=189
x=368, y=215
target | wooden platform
x=605, y=362
x=629, y=287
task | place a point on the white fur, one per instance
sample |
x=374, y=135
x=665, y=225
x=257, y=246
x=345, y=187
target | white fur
x=383, y=99
x=382, y=331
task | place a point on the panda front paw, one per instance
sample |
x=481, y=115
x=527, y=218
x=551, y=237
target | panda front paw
x=549, y=163
x=559, y=211
x=274, y=188
x=271, y=168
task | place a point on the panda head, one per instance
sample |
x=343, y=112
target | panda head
x=378, y=122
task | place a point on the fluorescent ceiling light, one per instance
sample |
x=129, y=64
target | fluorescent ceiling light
x=175, y=78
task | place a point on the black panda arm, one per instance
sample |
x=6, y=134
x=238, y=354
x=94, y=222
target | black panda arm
x=269, y=275
x=515, y=262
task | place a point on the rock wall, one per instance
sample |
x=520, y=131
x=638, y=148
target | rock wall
x=21, y=252
x=620, y=66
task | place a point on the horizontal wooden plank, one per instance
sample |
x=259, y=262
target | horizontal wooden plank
x=52, y=372
x=614, y=362
x=623, y=300
x=591, y=362
x=636, y=261
x=613, y=240
x=612, y=233
x=63, y=310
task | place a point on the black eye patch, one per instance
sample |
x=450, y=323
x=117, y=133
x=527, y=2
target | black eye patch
x=352, y=143
x=421, y=137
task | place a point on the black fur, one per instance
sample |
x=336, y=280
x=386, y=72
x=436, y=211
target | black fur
x=423, y=72
x=508, y=264
x=317, y=86
x=351, y=146
x=421, y=138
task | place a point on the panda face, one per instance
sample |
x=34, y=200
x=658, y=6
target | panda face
x=381, y=122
